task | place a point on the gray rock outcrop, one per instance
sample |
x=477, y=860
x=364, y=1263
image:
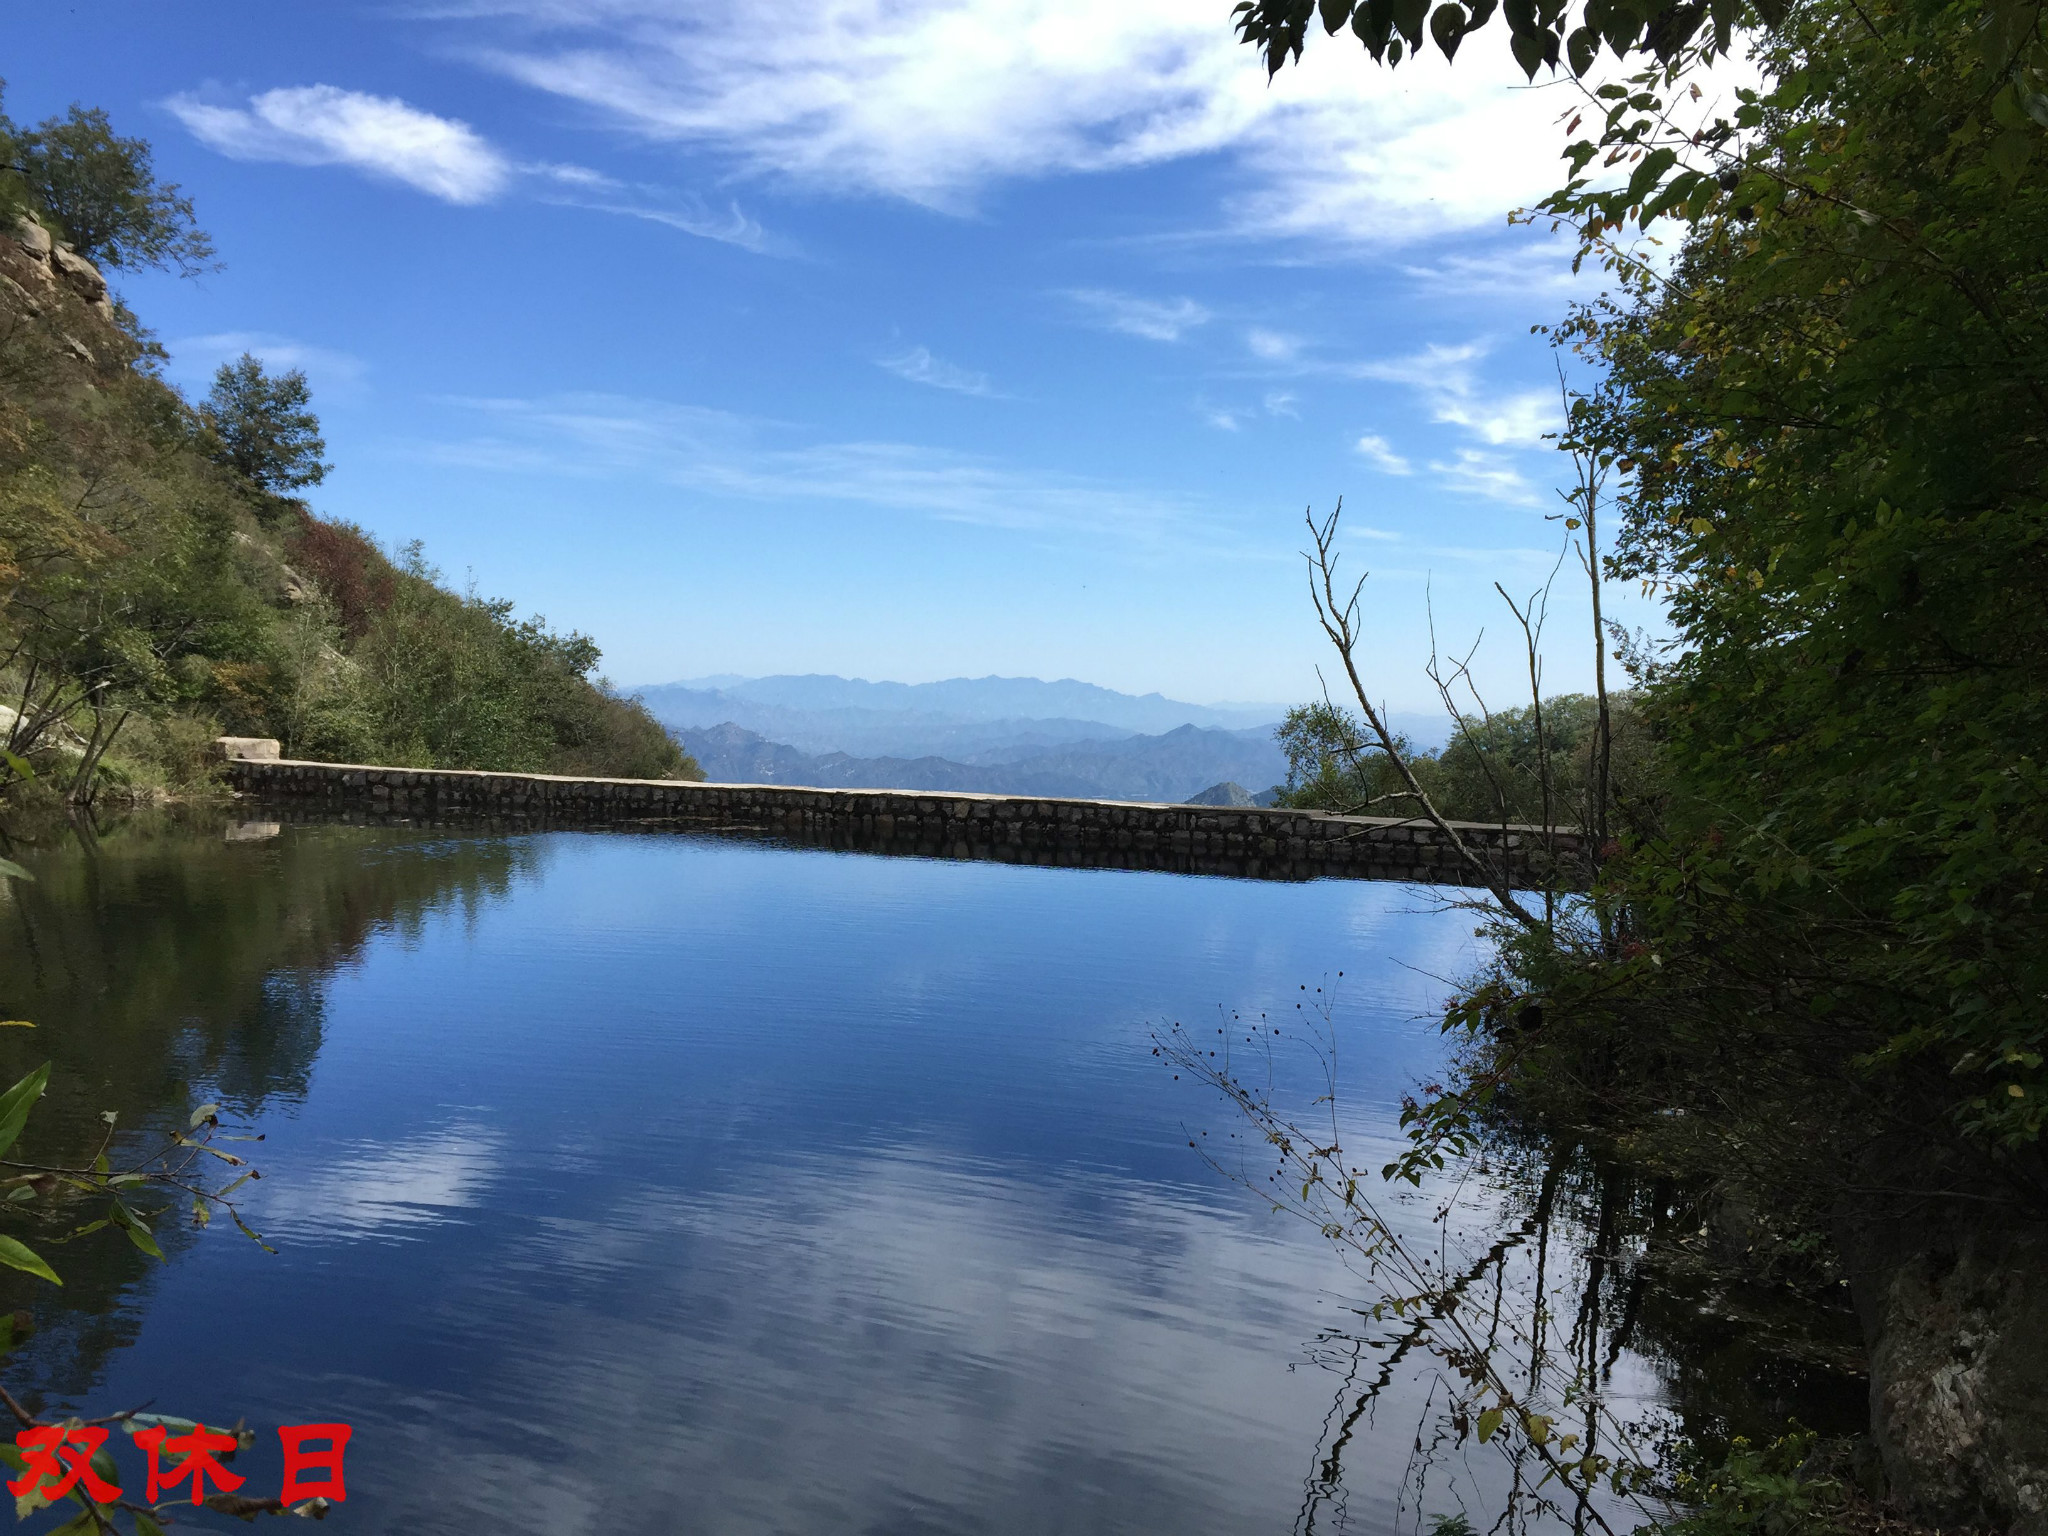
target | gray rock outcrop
x=1229, y=792
x=46, y=262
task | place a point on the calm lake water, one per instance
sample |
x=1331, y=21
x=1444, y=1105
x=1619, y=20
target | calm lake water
x=654, y=1182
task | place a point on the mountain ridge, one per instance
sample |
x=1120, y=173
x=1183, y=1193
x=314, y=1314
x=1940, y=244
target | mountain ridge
x=1169, y=767
x=976, y=699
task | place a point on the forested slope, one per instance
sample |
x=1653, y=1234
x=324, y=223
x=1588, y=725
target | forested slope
x=161, y=584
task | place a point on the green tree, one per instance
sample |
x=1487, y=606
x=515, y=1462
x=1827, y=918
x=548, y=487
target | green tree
x=1811, y=971
x=101, y=191
x=264, y=427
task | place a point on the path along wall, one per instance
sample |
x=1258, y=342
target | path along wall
x=1193, y=839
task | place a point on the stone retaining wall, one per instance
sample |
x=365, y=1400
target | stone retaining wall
x=1193, y=839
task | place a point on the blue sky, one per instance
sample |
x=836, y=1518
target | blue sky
x=935, y=337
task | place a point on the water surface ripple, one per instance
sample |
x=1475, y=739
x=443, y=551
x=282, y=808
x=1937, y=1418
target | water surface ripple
x=669, y=1184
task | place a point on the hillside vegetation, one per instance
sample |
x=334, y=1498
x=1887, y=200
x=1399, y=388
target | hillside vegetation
x=160, y=581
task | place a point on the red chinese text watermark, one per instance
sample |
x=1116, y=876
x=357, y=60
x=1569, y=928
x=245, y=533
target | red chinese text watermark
x=55, y=1460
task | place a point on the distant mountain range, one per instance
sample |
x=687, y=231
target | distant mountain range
x=996, y=735
x=981, y=699
x=1171, y=766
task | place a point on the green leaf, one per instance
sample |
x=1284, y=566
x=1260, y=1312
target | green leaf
x=17, y=1101
x=1409, y=16
x=139, y=1235
x=2010, y=152
x=2034, y=104
x=1489, y=1424
x=20, y=1256
x=144, y=1526
x=1725, y=13
x=1448, y=25
x=135, y=1423
x=202, y=1113
x=1335, y=14
x=1373, y=24
x=1581, y=49
x=9, y=870
x=1650, y=172
x=26, y=1504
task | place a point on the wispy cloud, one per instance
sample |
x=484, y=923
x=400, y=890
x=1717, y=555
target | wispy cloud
x=1153, y=319
x=392, y=140
x=1273, y=346
x=1381, y=455
x=581, y=177
x=1523, y=267
x=1446, y=380
x=1281, y=402
x=720, y=454
x=380, y=135
x=732, y=227
x=194, y=358
x=1477, y=473
x=920, y=367
x=1520, y=419
x=933, y=101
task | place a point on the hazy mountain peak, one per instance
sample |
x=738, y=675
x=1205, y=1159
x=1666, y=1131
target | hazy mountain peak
x=977, y=699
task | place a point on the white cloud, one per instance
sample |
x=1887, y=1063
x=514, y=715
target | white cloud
x=1445, y=378
x=1476, y=473
x=325, y=125
x=581, y=177
x=932, y=101
x=1273, y=346
x=1280, y=402
x=1521, y=419
x=920, y=367
x=1153, y=319
x=385, y=137
x=1222, y=421
x=1382, y=456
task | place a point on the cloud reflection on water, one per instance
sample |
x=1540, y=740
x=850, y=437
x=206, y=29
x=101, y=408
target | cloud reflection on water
x=900, y=1340
x=387, y=1191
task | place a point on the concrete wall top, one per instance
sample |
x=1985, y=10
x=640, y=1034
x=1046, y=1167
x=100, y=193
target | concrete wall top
x=488, y=785
x=483, y=776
